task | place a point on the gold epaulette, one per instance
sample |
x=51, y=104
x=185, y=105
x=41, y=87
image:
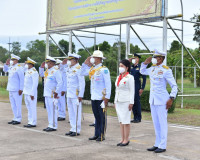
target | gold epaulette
x=19, y=65
x=78, y=67
x=34, y=69
x=104, y=67
x=154, y=65
x=166, y=67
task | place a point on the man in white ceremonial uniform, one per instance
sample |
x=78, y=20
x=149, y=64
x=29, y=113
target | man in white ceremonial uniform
x=15, y=86
x=100, y=90
x=62, y=99
x=75, y=92
x=30, y=92
x=52, y=87
x=160, y=100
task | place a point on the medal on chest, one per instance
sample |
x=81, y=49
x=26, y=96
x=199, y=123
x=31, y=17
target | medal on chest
x=98, y=72
x=160, y=72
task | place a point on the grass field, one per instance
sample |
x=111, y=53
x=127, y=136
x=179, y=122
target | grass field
x=190, y=115
x=180, y=116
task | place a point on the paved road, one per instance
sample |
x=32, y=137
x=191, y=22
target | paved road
x=17, y=142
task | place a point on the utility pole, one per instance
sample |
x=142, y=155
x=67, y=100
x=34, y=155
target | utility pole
x=9, y=46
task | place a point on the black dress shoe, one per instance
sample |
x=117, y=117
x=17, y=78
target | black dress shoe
x=45, y=129
x=68, y=133
x=29, y=126
x=61, y=119
x=92, y=125
x=11, y=122
x=159, y=150
x=99, y=139
x=118, y=144
x=152, y=148
x=50, y=129
x=74, y=134
x=93, y=138
x=136, y=121
x=124, y=144
x=16, y=122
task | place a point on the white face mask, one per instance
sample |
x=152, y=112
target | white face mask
x=11, y=62
x=121, y=70
x=45, y=66
x=26, y=66
x=69, y=63
x=154, y=61
x=133, y=61
x=92, y=60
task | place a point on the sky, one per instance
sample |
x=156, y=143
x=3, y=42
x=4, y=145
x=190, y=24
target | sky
x=22, y=20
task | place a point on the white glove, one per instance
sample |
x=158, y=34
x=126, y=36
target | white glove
x=102, y=105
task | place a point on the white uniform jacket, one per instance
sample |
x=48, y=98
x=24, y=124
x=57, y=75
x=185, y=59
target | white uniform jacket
x=31, y=82
x=125, y=92
x=100, y=81
x=52, y=82
x=159, y=77
x=75, y=82
x=15, y=77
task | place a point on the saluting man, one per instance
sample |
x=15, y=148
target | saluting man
x=62, y=100
x=75, y=92
x=15, y=86
x=139, y=88
x=160, y=100
x=52, y=87
x=30, y=92
x=100, y=90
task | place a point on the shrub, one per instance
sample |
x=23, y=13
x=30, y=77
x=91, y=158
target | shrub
x=144, y=98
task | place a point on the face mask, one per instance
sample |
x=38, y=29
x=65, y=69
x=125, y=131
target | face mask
x=121, y=70
x=11, y=62
x=154, y=61
x=69, y=63
x=26, y=66
x=133, y=61
x=46, y=66
x=92, y=60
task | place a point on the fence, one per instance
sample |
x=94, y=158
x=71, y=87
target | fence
x=190, y=96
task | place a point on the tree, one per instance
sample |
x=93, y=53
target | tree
x=105, y=46
x=3, y=54
x=189, y=62
x=175, y=46
x=36, y=51
x=16, y=48
x=134, y=49
x=123, y=48
x=196, y=38
x=64, y=45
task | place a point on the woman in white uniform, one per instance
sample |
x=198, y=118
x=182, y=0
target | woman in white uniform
x=124, y=100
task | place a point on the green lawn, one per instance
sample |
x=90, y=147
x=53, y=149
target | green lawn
x=180, y=116
x=4, y=95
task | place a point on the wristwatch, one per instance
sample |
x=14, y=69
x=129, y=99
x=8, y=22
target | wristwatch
x=172, y=98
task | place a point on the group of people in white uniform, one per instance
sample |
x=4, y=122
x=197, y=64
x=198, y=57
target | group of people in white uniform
x=65, y=80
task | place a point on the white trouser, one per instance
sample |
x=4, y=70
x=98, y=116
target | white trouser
x=52, y=111
x=72, y=109
x=32, y=109
x=159, y=117
x=62, y=106
x=16, y=104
